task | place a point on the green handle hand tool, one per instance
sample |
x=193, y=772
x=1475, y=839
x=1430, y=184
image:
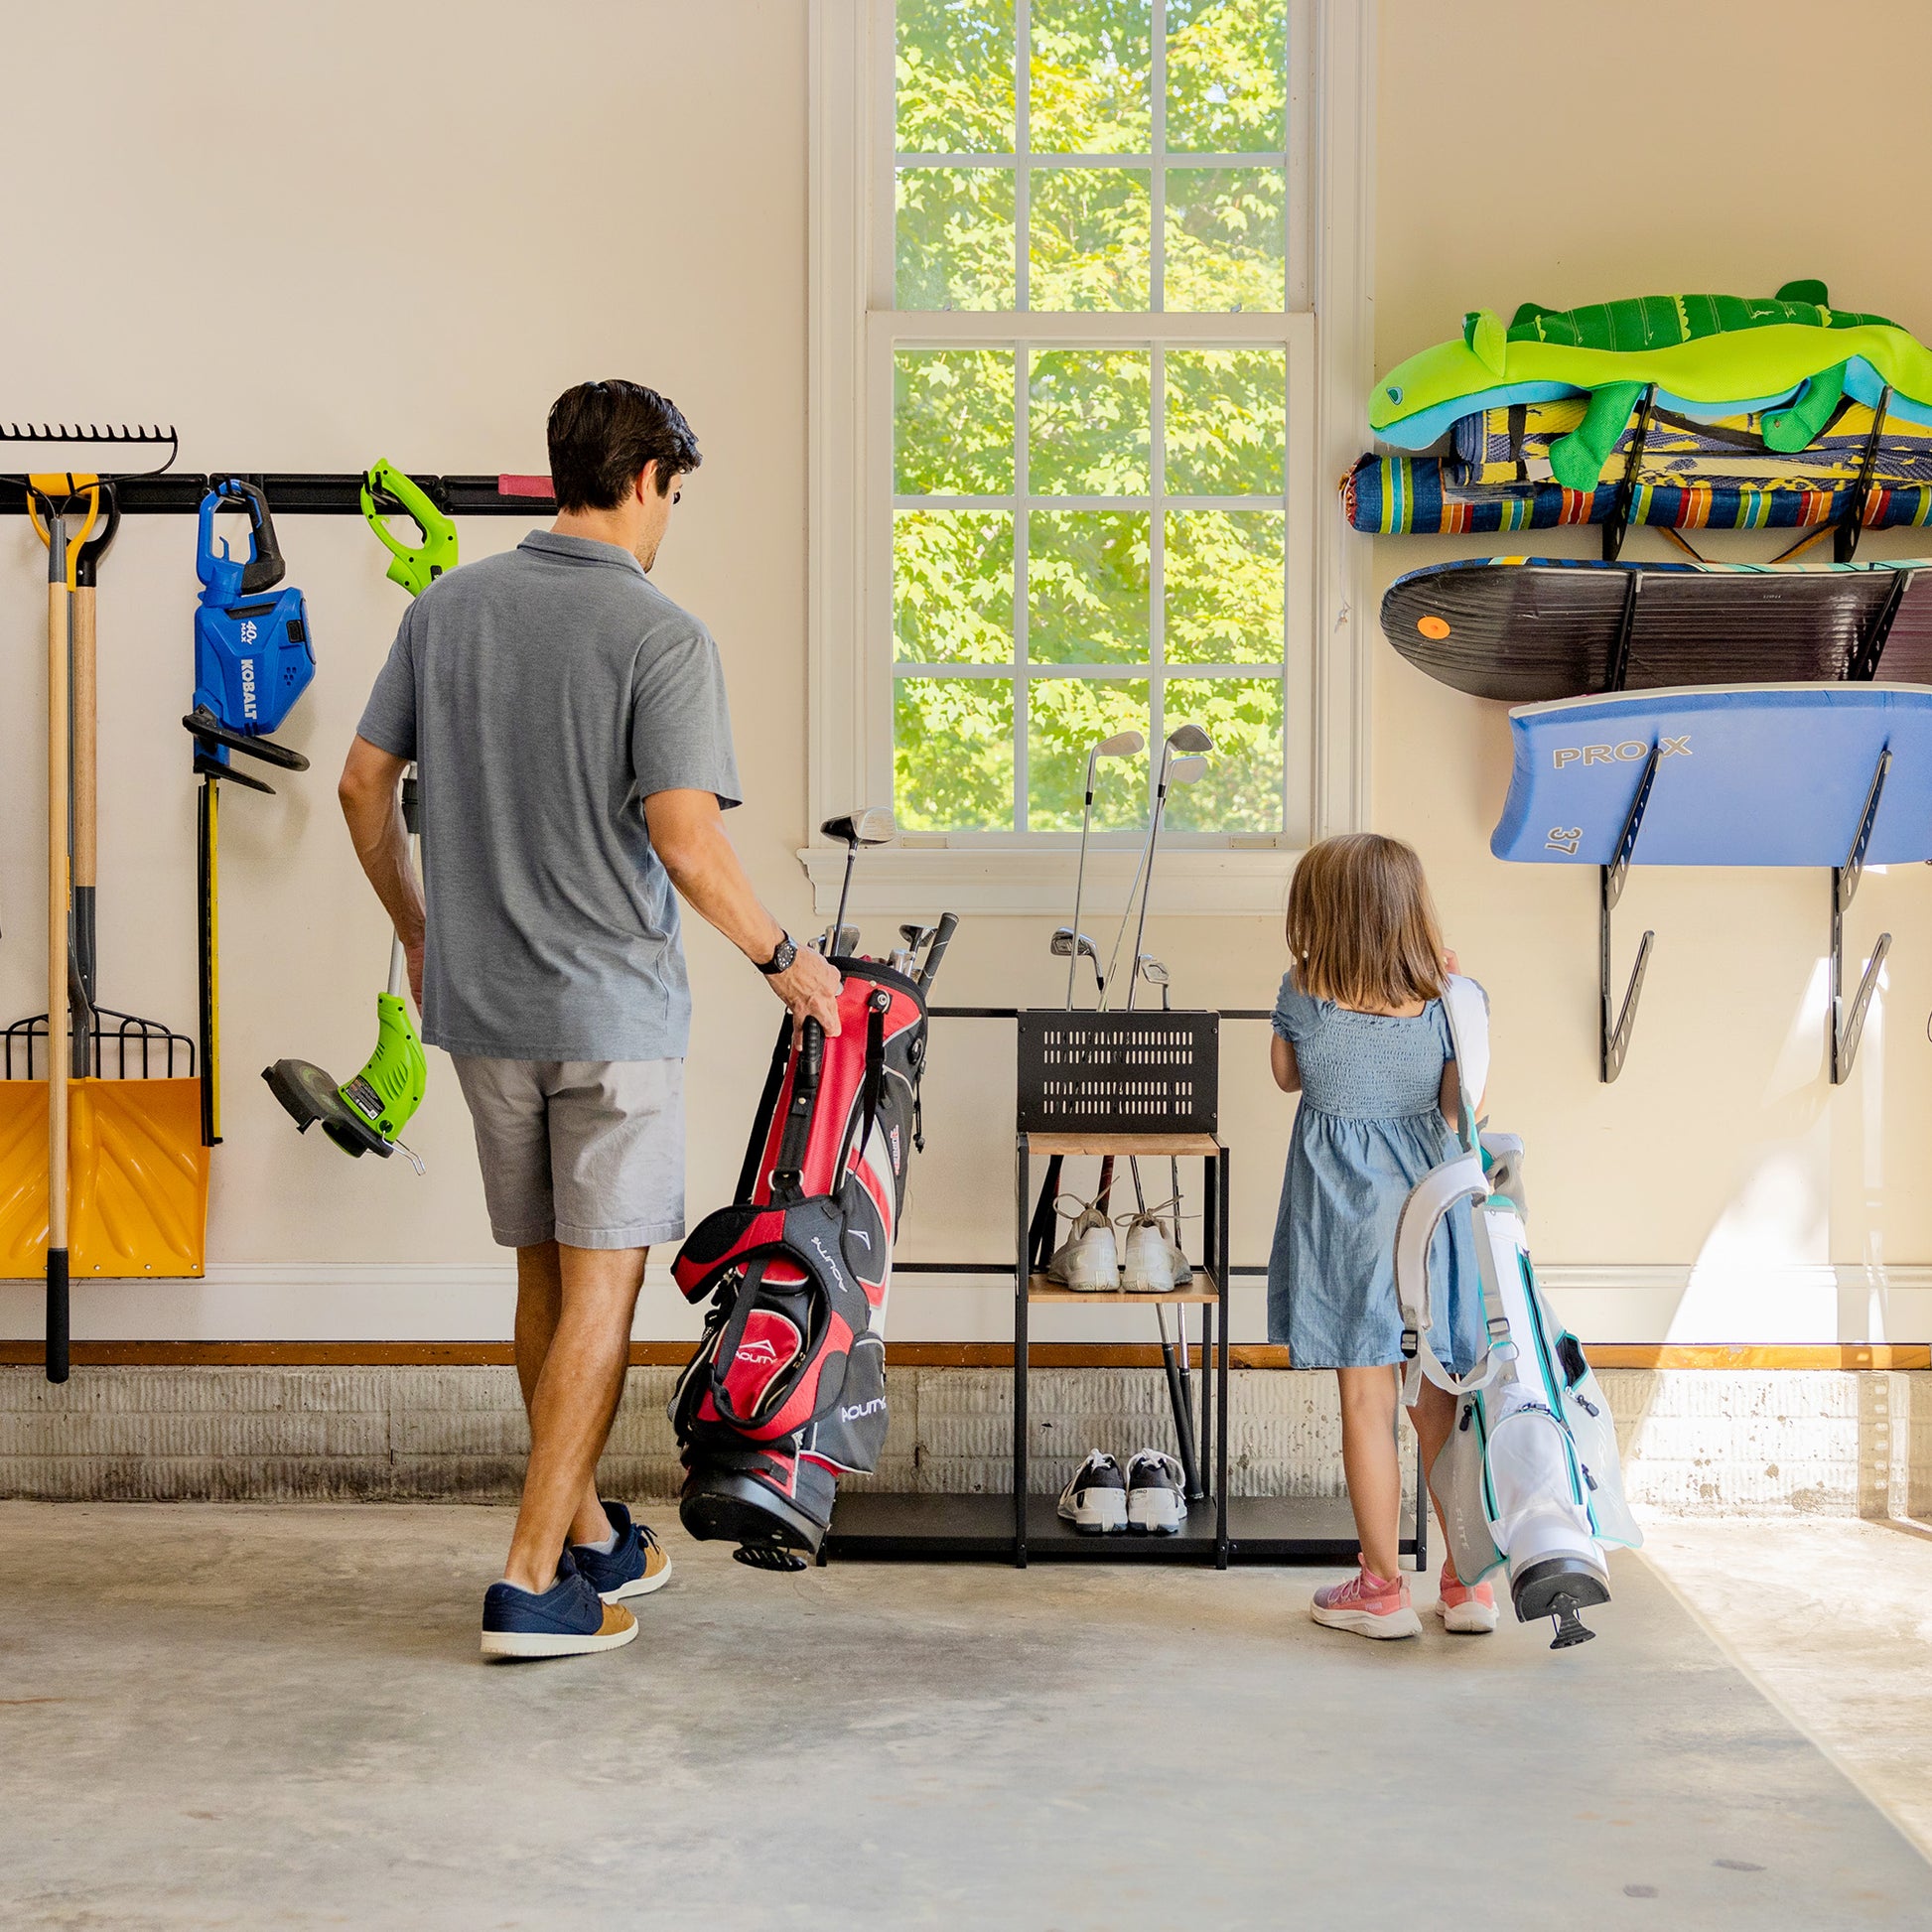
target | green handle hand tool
x=414, y=567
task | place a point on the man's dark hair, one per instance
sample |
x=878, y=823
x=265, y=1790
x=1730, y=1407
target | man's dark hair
x=601, y=434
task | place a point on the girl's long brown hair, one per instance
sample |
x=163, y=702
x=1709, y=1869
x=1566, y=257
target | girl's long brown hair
x=1361, y=926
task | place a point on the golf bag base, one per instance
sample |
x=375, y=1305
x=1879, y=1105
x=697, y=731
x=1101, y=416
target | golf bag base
x=1559, y=1587
x=736, y=1498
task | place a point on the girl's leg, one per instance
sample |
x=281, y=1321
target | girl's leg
x=1368, y=1460
x=1432, y=1417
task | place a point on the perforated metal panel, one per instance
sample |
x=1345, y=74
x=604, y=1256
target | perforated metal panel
x=1119, y=1072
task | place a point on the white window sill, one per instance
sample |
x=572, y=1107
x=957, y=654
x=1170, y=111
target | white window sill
x=1243, y=881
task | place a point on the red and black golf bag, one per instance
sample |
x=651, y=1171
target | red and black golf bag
x=787, y=1390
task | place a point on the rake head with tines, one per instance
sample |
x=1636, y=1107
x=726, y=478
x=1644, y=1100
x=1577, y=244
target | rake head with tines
x=99, y=436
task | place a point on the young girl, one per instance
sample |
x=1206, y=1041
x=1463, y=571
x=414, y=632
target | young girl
x=1362, y=1035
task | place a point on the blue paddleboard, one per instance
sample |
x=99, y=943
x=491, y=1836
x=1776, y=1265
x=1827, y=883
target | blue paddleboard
x=1756, y=774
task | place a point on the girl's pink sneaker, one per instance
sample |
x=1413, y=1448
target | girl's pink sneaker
x=1468, y=1613
x=1368, y=1604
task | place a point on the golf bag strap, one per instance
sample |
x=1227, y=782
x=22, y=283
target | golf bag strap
x=774, y=1079
x=807, y=1069
x=1432, y=1198
x=1467, y=1013
x=877, y=1008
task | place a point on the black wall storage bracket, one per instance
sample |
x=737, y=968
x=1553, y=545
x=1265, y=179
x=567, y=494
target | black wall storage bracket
x=1616, y=1022
x=1847, y=1021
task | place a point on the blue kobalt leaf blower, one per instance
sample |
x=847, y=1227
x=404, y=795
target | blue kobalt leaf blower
x=253, y=657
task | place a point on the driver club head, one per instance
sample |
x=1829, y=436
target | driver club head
x=874, y=825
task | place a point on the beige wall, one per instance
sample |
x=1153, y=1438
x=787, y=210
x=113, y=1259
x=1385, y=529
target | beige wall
x=392, y=264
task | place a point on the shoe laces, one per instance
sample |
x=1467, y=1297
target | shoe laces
x=1084, y=1214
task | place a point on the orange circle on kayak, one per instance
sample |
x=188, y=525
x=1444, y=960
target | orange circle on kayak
x=1437, y=627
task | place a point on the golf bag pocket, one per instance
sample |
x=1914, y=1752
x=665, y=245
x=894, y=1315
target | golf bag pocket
x=1593, y=1429
x=1460, y=1483
x=851, y=1432
x=785, y=1310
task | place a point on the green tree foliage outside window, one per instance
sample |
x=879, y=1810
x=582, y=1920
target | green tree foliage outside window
x=1025, y=630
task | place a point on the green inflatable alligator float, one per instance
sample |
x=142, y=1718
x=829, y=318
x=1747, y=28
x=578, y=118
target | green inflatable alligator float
x=1794, y=357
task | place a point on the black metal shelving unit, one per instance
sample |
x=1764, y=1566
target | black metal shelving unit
x=1020, y=1527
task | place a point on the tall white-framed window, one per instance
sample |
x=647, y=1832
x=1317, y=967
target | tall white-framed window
x=1068, y=400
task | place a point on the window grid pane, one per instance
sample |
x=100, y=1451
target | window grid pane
x=1076, y=560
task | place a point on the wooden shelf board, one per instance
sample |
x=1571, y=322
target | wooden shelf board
x=1201, y=1289
x=1146, y=1146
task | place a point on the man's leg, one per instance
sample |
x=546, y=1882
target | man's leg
x=573, y=1398
x=539, y=1302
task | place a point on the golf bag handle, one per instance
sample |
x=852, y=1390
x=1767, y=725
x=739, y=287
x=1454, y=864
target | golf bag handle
x=788, y=1177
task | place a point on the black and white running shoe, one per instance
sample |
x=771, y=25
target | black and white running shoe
x=1157, y=1495
x=1095, y=1501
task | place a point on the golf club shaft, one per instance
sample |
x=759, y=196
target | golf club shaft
x=1079, y=882
x=1146, y=852
x=845, y=891
x=1182, y=1401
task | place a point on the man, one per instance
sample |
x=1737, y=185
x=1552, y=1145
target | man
x=569, y=726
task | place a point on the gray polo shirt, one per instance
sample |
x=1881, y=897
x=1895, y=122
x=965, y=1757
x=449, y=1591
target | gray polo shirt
x=544, y=695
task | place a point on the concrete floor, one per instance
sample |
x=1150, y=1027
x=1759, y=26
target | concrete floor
x=218, y=1718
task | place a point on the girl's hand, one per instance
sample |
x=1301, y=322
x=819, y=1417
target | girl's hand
x=1450, y=964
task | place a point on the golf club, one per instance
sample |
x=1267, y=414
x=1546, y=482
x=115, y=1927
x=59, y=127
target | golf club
x=871, y=826
x=842, y=940
x=1189, y=740
x=1120, y=745
x=914, y=938
x=941, y=938
x=1156, y=974
x=1066, y=946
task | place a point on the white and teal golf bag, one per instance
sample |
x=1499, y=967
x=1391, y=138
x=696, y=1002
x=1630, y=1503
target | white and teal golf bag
x=1528, y=1477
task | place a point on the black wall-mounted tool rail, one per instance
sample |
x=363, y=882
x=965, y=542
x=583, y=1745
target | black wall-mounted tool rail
x=323, y=494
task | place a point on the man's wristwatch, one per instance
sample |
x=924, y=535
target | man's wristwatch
x=780, y=961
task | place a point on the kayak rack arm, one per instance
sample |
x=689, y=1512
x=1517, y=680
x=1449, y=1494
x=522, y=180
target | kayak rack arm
x=1847, y=1022
x=1615, y=1021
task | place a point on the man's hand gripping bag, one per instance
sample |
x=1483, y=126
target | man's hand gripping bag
x=786, y=1392
x=1528, y=1477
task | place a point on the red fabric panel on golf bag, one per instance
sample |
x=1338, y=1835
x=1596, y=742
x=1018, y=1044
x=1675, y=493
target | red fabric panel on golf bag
x=791, y=1366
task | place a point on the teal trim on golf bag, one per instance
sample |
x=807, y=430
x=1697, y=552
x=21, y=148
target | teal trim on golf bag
x=1530, y=1477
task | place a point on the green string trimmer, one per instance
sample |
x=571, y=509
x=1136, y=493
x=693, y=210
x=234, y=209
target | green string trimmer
x=367, y=1114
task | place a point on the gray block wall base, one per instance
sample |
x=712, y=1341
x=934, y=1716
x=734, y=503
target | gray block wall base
x=1696, y=1442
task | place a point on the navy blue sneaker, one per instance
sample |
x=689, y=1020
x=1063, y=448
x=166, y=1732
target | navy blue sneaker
x=567, y=1619
x=635, y=1568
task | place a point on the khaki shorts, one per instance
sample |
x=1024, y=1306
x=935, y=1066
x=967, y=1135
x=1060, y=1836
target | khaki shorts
x=589, y=1153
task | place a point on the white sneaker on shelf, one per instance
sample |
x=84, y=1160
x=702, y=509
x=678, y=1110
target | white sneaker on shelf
x=1089, y=1259
x=1095, y=1500
x=1157, y=1495
x=1146, y=1265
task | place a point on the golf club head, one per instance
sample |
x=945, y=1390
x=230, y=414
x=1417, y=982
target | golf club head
x=1064, y=944
x=1184, y=771
x=1189, y=738
x=872, y=825
x=1153, y=971
x=916, y=935
x=1122, y=745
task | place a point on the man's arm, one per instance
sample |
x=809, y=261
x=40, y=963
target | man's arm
x=688, y=834
x=368, y=791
